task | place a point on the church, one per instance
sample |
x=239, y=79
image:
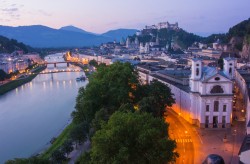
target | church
x=203, y=95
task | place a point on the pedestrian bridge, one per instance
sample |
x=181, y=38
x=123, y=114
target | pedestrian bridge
x=58, y=71
x=59, y=62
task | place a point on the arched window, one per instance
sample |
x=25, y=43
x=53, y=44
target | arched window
x=197, y=71
x=217, y=89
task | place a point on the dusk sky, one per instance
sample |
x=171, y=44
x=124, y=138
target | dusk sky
x=198, y=16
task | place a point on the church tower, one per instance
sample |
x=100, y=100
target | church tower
x=229, y=67
x=196, y=73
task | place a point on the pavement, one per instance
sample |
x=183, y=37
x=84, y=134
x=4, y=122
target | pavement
x=195, y=144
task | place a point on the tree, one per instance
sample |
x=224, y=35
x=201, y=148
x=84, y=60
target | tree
x=58, y=156
x=108, y=88
x=3, y=75
x=79, y=132
x=67, y=147
x=156, y=99
x=31, y=160
x=133, y=138
x=93, y=63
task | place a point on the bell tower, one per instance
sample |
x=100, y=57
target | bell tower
x=229, y=67
x=196, y=73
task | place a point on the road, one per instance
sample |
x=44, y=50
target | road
x=183, y=137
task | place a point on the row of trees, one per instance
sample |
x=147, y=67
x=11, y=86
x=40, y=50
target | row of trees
x=123, y=119
x=126, y=119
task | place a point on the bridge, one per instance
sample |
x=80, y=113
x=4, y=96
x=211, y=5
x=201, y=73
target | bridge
x=58, y=71
x=68, y=62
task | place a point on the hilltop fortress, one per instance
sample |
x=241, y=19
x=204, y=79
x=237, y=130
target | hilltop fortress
x=162, y=25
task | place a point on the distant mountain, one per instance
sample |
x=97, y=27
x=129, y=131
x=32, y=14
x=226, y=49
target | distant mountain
x=76, y=29
x=119, y=33
x=10, y=45
x=42, y=36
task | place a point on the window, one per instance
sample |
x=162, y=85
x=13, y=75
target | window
x=197, y=71
x=217, y=89
x=224, y=108
x=216, y=106
x=230, y=70
x=217, y=78
x=207, y=108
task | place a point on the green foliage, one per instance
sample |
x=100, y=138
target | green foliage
x=93, y=63
x=109, y=105
x=3, y=75
x=84, y=158
x=14, y=84
x=31, y=160
x=223, y=38
x=67, y=147
x=240, y=29
x=155, y=100
x=58, y=156
x=133, y=138
x=180, y=36
x=108, y=88
x=60, y=140
x=79, y=132
x=11, y=45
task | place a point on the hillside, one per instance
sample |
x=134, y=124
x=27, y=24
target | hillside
x=10, y=45
x=75, y=29
x=180, y=37
x=39, y=36
x=119, y=33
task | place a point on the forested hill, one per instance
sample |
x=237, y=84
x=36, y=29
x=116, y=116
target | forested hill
x=10, y=45
x=184, y=39
x=180, y=37
x=241, y=30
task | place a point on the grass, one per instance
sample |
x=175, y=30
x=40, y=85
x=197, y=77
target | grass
x=58, y=142
x=16, y=83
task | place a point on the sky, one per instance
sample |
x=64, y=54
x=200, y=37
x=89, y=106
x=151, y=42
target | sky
x=197, y=16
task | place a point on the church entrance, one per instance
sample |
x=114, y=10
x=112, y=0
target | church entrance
x=215, y=121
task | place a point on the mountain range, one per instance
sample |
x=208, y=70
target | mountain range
x=39, y=36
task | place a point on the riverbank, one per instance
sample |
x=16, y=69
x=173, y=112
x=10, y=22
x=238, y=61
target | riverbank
x=18, y=82
x=58, y=142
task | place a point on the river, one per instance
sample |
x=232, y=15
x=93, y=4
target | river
x=35, y=112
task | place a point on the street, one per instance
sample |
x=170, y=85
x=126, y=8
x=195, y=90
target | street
x=182, y=136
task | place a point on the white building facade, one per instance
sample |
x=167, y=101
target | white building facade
x=206, y=100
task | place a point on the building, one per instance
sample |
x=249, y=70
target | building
x=203, y=94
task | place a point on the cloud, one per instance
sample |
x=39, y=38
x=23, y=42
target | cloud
x=44, y=13
x=10, y=11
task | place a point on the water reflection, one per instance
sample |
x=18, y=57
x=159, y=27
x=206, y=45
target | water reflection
x=35, y=112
